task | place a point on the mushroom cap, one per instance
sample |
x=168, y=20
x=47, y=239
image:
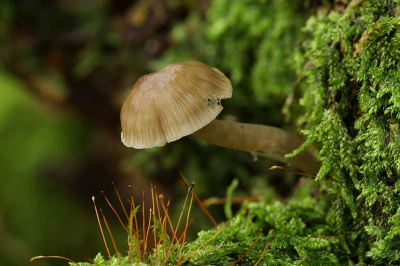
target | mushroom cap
x=172, y=103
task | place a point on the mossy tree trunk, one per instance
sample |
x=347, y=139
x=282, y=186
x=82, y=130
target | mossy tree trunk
x=352, y=102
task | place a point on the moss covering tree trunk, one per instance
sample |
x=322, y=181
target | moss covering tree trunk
x=352, y=102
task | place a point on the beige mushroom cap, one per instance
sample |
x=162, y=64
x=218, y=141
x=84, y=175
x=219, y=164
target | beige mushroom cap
x=172, y=103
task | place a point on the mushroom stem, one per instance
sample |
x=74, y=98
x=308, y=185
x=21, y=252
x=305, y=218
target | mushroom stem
x=262, y=140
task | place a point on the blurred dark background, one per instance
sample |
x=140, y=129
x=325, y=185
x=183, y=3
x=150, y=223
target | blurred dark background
x=65, y=69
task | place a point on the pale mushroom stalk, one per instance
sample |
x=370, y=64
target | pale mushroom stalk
x=261, y=140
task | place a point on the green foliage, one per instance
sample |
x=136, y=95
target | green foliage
x=113, y=261
x=229, y=194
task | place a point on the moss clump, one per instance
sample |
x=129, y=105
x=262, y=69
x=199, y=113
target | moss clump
x=293, y=232
x=352, y=102
x=296, y=230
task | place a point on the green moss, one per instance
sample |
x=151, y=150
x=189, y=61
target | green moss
x=352, y=117
x=296, y=231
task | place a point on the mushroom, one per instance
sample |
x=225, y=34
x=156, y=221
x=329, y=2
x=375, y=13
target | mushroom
x=185, y=98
